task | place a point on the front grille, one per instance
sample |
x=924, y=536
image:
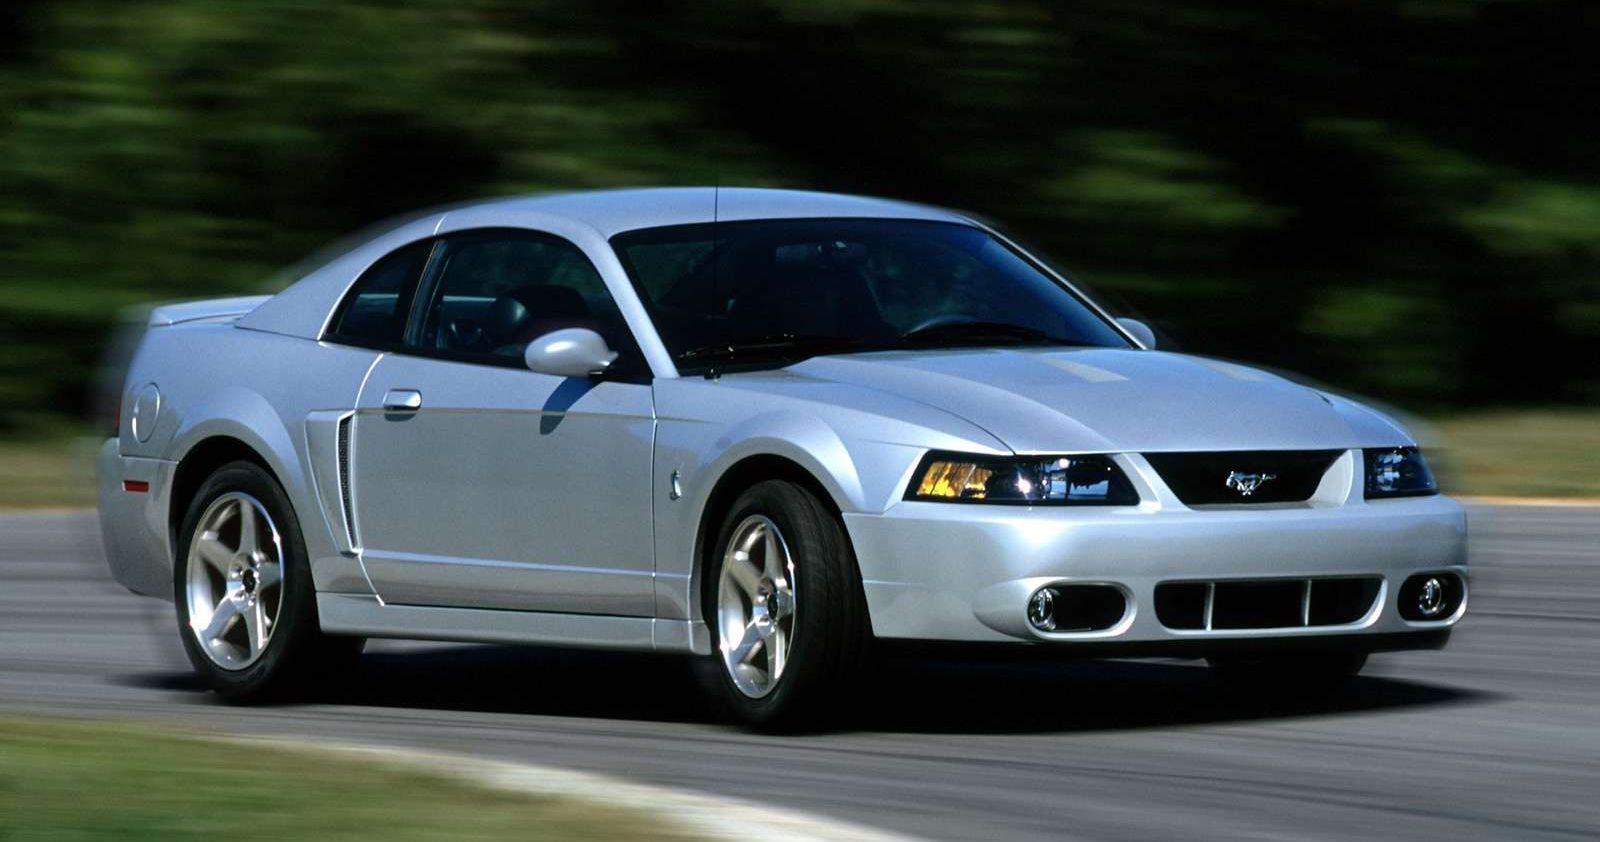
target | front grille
x=1267, y=604
x=1243, y=476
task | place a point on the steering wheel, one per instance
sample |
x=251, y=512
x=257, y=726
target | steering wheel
x=940, y=320
x=466, y=335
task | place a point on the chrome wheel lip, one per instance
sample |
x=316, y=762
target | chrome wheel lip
x=234, y=593
x=756, y=606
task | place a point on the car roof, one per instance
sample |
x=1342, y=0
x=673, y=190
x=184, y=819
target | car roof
x=613, y=211
x=584, y=217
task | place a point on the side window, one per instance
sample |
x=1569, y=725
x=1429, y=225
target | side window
x=374, y=311
x=492, y=292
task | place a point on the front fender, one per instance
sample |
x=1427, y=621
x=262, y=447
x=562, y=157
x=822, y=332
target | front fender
x=858, y=475
x=807, y=441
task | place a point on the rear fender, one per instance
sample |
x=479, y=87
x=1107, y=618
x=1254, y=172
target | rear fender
x=238, y=413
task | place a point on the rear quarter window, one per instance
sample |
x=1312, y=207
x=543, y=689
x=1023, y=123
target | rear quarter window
x=374, y=311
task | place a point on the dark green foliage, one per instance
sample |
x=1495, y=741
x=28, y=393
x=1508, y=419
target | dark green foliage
x=1398, y=198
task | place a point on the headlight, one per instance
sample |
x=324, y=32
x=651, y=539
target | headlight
x=1047, y=480
x=1398, y=472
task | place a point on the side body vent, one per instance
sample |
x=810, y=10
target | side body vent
x=349, y=510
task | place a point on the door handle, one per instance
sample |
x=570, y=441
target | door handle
x=402, y=400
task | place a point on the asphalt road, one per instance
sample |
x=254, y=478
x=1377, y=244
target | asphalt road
x=1497, y=737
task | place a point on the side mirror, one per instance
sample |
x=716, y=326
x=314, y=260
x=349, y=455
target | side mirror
x=569, y=352
x=1139, y=330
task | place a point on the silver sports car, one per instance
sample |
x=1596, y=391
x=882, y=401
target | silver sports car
x=768, y=429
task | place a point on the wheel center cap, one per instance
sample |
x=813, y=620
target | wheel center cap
x=248, y=580
x=777, y=603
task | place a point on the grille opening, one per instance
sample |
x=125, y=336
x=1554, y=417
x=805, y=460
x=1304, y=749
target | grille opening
x=1337, y=602
x=1280, y=476
x=1088, y=608
x=1271, y=604
x=1256, y=605
x=1182, y=605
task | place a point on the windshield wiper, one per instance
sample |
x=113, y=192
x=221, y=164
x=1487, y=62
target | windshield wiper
x=788, y=348
x=981, y=333
x=780, y=347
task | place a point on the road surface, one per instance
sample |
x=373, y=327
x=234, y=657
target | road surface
x=1497, y=737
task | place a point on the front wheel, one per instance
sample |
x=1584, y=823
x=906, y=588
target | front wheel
x=784, y=603
x=246, y=605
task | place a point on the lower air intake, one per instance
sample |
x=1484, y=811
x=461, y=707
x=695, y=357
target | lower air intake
x=1265, y=604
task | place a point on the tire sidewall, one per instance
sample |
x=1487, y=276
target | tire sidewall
x=296, y=610
x=820, y=554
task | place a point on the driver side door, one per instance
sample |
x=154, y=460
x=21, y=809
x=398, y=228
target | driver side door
x=478, y=483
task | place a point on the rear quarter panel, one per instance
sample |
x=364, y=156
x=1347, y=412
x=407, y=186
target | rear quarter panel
x=222, y=380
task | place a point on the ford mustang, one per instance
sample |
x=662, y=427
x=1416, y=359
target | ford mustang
x=768, y=429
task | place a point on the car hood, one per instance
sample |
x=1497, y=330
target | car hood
x=1094, y=399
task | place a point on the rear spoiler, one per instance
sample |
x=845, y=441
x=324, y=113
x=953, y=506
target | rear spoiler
x=210, y=309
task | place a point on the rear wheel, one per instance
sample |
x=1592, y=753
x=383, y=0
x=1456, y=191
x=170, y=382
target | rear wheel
x=246, y=606
x=784, y=603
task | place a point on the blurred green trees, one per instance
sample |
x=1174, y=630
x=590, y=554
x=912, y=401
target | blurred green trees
x=1400, y=198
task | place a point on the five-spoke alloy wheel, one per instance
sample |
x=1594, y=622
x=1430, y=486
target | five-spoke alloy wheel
x=246, y=606
x=756, y=606
x=783, y=598
x=235, y=578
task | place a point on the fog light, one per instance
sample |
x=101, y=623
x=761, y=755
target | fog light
x=1042, y=609
x=1431, y=597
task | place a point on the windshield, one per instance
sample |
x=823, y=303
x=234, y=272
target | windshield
x=781, y=290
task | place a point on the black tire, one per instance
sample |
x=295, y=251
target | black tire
x=1290, y=675
x=831, y=634
x=296, y=652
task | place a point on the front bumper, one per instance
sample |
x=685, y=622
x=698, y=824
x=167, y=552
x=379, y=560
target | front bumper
x=964, y=573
